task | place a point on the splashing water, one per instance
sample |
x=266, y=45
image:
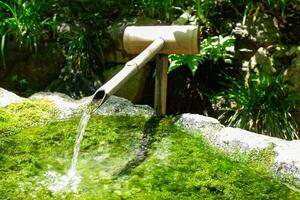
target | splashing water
x=71, y=180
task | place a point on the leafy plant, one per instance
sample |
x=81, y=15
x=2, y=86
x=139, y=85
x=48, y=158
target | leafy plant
x=164, y=10
x=192, y=61
x=212, y=48
x=218, y=47
x=253, y=7
x=263, y=105
x=22, y=21
x=204, y=9
x=81, y=53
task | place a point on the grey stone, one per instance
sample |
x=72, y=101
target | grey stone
x=7, y=98
x=199, y=122
x=196, y=121
x=287, y=153
x=66, y=106
x=287, y=159
x=120, y=106
x=235, y=138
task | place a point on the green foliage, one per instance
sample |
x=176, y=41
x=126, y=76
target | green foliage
x=166, y=10
x=218, y=47
x=83, y=51
x=204, y=9
x=78, y=29
x=179, y=165
x=263, y=105
x=192, y=61
x=212, y=48
x=22, y=21
x=252, y=8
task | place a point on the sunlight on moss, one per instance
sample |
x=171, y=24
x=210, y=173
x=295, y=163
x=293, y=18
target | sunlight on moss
x=25, y=114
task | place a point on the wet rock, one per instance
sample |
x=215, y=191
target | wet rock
x=7, y=98
x=66, y=106
x=120, y=106
x=286, y=160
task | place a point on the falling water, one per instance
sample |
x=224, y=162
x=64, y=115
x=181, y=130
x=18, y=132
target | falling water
x=70, y=181
x=80, y=132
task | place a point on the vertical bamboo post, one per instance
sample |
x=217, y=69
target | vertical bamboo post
x=161, y=80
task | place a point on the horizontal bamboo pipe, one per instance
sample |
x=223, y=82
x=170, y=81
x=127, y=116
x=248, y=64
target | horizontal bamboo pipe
x=178, y=39
x=130, y=68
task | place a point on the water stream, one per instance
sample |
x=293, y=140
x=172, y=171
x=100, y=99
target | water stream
x=71, y=180
x=80, y=133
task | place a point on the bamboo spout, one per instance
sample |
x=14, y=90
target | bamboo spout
x=130, y=68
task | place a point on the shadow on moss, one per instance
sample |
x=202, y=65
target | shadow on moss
x=146, y=144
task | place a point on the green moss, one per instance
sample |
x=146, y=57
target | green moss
x=25, y=114
x=132, y=158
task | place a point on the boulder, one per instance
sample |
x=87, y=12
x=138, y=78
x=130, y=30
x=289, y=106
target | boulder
x=286, y=159
x=120, y=106
x=68, y=107
x=286, y=153
x=7, y=98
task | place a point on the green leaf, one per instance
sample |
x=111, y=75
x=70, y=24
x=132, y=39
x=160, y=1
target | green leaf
x=2, y=49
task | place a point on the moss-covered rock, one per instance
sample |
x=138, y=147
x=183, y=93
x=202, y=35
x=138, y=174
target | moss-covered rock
x=125, y=154
x=20, y=115
x=126, y=157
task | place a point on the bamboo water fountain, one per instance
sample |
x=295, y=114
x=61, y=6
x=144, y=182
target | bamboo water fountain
x=148, y=41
